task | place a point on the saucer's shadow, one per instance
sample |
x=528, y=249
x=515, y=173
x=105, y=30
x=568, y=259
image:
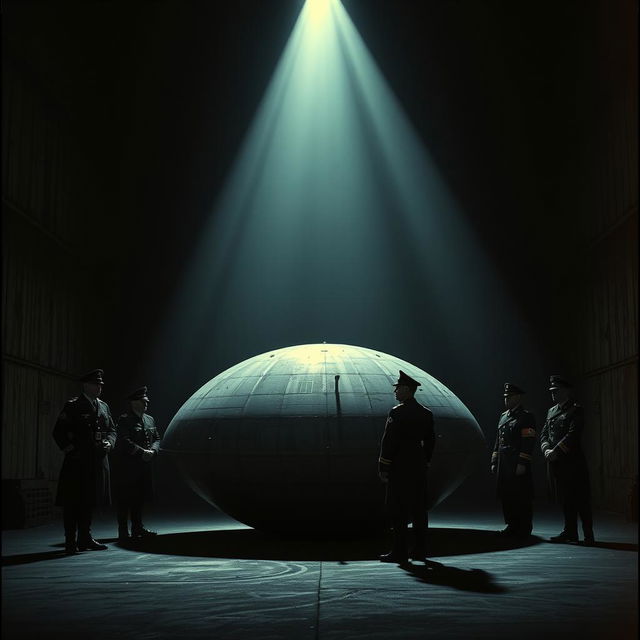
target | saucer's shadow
x=251, y=544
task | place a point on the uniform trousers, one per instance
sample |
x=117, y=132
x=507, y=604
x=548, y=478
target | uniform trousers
x=574, y=492
x=518, y=514
x=407, y=502
x=516, y=495
x=129, y=507
x=77, y=519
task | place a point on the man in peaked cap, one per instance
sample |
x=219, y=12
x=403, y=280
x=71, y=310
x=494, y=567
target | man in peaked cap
x=567, y=470
x=138, y=444
x=511, y=463
x=405, y=454
x=86, y=433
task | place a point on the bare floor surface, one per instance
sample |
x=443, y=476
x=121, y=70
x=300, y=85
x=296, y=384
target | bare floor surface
x=210, y=577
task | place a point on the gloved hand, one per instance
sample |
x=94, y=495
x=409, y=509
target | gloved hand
x=384, y=476
x=493, y=469
x=551, y=454
x=106, y=446
x=520, y=470
x=147, y=454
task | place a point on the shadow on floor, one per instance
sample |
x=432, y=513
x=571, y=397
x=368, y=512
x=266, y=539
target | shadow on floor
x=256, y=545
x=250, y=544
x=475, y=580
x=616, y=546
x=28, y=558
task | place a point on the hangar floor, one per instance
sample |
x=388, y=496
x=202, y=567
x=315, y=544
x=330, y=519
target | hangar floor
x=207, y=576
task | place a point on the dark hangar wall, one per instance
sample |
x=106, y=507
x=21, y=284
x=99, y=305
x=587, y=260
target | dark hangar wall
x=75, y=150
x=600, y=288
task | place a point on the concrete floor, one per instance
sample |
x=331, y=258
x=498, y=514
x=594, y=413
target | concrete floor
x=207, y=576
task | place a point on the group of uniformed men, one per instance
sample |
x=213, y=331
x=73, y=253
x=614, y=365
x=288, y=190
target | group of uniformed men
x=407, y=447
x=87, y=434
x=567, y=472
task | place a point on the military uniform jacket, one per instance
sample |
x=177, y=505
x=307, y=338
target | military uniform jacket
x=515, y=440
x=133, y=476
x=562, y=431
x=568, y=473
x=79, y=432
x=408, y=441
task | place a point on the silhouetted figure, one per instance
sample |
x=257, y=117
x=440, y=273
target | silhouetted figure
x=86, y=433
x=511, y=463
x=567, y=470
x=405, y=454
x=138, y=444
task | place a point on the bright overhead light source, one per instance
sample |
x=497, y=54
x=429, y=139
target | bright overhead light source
x=319, y=11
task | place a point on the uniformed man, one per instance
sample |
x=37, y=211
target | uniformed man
x=567, y=470
x=511, y=463
x=86, y=433
x=405, y=455
x=138, y=444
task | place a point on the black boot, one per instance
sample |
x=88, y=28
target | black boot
x=123, y=533
x=394, y=558
x=85, y=540
x=418, y=554
x=87, y=543
x=564, y=536
x=139, y=533
x=70, y=546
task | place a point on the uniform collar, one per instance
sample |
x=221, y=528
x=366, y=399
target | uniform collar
x=515, y=410
x=92, y=401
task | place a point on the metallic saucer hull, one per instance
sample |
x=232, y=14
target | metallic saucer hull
x=274, y=443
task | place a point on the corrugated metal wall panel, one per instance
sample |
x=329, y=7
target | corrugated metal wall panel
x=48, y=300
x=614, y=189
x=19, y=422
x=38, y=158
x=52, y=308
x=32, y=401
x=610, y=328
x=610, y=445
x=606, y=352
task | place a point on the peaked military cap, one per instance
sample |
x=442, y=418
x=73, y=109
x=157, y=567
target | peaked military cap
x=511, y=389
x=94, y=376
x=404, y=379
x=139, y=394
x=558, y=382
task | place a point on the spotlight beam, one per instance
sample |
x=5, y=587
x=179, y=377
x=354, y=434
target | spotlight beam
x=332, y=205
